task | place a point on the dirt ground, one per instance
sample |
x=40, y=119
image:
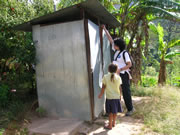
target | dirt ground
x=124, y=125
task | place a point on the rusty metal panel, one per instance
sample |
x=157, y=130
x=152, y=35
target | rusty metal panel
x=96, y=65
x=62, y=77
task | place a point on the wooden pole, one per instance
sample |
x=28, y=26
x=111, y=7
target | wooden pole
x=90, y=73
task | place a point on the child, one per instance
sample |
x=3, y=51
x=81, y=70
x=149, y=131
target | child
x=111, y=85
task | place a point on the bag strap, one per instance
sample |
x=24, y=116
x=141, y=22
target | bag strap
x=117, y=56
x=124, y=57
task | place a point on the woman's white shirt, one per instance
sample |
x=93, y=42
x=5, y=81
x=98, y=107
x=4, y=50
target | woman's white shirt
x=120, y=61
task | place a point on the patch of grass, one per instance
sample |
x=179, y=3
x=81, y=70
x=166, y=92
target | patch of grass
x=12, y=118
x=23, y=131
x=41, y=112
x=1, y=131
x=162, y=112
x=142, y=91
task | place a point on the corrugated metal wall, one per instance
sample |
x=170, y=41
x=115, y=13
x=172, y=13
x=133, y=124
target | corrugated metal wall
x=106, y=53
x=96, y=65
x=62, y=77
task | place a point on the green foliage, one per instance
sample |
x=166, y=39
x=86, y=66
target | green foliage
x=173, y=43
x=15, y=109
x=151, y=71
x=172, y=54
x=1, y=131
x=17, y=53
x=67, y=3
x=149, y=81
x=17, y=56
x=174, y=72
x=174, y=80
x=4, y=92
x=41, y=112
x=164, y=51
x=23, y=131
x=109, y=5
x=163, y=46
x=42, y=7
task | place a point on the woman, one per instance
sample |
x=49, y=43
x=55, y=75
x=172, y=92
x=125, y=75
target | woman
x=118, y=45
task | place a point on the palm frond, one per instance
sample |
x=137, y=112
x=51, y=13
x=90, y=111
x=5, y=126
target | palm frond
x=171, y=54
x=168, y=5
x=161, y=36
x=173, y=43
x=161, y=13
x=153, y=27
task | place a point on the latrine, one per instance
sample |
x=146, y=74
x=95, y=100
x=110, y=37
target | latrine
x=72, y=55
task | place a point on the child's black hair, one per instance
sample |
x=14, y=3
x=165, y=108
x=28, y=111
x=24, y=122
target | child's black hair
x=120, y=43
x=112, y=69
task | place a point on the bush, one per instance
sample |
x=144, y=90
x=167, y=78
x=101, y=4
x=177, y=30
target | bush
x=149, y=81
x=4, y=95
x=173, y=73
x=174, y=81
x=15, y=110
x=151, y=71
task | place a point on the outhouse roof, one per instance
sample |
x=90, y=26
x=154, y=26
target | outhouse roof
x=91, y=7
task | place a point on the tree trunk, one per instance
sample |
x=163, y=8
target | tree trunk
x=136, y=53
x=162, y=72
x=135, y=30
x=146, y=33
x=122, y=29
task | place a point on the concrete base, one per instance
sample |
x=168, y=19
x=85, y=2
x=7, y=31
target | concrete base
x=50, y=126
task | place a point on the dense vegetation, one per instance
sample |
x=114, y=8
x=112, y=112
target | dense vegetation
x=151, y=30
x=17, y=57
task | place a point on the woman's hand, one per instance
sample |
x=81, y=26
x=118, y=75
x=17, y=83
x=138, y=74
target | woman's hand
x=103, y=26
x=107, y=33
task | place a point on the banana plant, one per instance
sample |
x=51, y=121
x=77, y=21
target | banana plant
x=131, y=12
x=163, y=51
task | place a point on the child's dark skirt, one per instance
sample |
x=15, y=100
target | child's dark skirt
x=113, y=106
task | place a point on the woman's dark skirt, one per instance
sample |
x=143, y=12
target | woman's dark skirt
x=113, y=106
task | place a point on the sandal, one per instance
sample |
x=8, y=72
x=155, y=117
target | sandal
x=107, y=127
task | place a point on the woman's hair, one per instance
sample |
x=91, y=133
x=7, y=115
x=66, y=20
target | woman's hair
x=120, y=43
x=112, y=69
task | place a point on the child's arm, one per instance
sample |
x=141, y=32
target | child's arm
x=108, y=35
x=102, y=91
x=120, y=88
